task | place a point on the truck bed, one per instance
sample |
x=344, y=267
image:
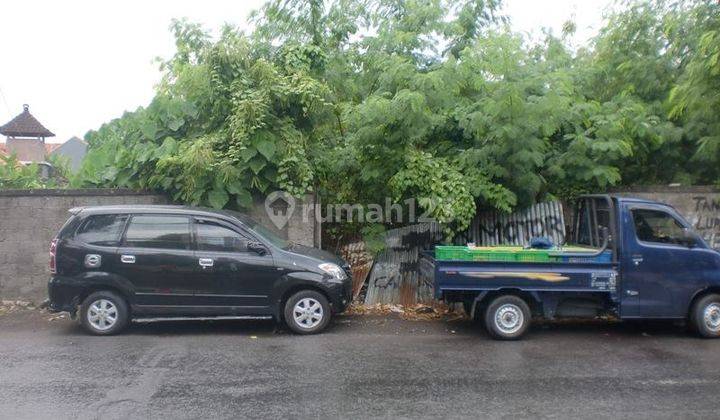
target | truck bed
x=527, y=276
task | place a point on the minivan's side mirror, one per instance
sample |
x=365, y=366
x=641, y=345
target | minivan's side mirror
x=688, y=238
x=257, y=247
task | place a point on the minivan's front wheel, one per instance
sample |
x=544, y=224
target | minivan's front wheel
x=307, y=312
x=103, y=313
x=706, y=316
x=507, y=317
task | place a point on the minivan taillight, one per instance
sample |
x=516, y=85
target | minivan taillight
x=53, y=252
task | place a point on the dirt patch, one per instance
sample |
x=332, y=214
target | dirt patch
x=414, y=312
x=13, y=306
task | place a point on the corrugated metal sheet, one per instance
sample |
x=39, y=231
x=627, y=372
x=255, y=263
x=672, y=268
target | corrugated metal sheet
x=395, y=276
x=493, y=228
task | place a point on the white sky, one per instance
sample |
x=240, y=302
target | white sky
x=79, y=63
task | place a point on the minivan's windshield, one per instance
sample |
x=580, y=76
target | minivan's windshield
x=261, y=230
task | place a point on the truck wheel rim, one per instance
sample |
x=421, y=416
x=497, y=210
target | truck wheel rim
x=308, y=313
x=509, y=318
x=711, y=316
x=102, y=314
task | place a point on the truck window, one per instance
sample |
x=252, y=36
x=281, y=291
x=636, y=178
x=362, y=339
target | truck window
x=165, y=232
x=592, y=216
x=213, y=237
x=657, y=226
x=102, y=229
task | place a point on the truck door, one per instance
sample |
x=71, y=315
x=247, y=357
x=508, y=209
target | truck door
x=660, y=272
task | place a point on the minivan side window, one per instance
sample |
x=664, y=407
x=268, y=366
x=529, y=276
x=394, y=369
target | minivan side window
x=158, y=231
x=657, y=226
x=101, y=229
x=214, y=237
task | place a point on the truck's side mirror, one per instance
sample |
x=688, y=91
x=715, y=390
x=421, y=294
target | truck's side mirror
x=257, y=247
x=688, y=238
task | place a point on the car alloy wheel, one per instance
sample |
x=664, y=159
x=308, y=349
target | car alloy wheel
x=308, y=313
x=102, y=314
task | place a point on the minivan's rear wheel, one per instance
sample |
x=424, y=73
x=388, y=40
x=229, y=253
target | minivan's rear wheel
x=706, y=316
x=507, y=317
x=307, y=312
x=103, y=313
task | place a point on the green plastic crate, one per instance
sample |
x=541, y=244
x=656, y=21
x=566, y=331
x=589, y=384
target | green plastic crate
x=491, y=255
x=533, y=255
x=452, y=253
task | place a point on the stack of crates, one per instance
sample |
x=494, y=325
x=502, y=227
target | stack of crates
x=452, y=253
x=499, y=253
x=519, y=254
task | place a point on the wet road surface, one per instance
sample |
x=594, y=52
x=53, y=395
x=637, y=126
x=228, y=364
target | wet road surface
x=361, y=367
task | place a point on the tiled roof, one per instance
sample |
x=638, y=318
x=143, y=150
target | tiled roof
x=25, y=125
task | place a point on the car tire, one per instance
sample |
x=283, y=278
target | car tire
x=507, y=317
x=705, y=316
x=103, y=313
x=307, y=312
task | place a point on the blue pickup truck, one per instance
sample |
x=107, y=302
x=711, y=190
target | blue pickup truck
x=658, y=268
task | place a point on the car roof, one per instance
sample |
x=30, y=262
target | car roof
x=163, y=209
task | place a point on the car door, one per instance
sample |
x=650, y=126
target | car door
x=660, y=271
x=231, y=277
x=156, y=257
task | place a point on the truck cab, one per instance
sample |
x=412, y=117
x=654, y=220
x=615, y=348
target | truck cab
x=653, y=267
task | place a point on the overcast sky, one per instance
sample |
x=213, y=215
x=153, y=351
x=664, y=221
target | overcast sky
x=81, y=63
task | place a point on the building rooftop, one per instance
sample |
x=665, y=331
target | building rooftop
x=25, y=125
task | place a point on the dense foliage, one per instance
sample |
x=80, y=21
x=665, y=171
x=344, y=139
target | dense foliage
x=16, y=175
x=433, y=99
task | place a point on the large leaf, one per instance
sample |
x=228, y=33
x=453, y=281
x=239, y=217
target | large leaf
x=248, y=153
x=149, y=129
x=218, y=198
x=266, y=148
x=257, y=163
x=244, y=199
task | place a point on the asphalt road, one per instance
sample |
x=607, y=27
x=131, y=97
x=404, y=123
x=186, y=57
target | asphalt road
x=361, y=367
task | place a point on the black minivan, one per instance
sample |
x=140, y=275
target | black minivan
x=111, y=264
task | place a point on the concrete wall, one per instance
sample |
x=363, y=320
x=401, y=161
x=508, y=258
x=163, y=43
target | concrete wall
x=700, y=205
x=30, y=219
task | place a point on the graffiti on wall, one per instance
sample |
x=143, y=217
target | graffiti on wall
x=493, y=228
x=706, y=218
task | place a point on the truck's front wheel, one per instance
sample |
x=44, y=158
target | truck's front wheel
x=507, y=317
x=706, y=316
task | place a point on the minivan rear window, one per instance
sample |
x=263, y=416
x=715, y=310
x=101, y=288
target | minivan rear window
x=156, y=231
x=101, y=229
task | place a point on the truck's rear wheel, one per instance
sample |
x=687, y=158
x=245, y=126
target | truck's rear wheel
x=706, y=316
x=507, y=317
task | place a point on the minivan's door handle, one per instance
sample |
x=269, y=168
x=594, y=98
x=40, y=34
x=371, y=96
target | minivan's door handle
x=637, y=259
x=127, y=259
x=206, y=262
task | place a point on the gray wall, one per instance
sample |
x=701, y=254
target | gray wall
x=30, y=219
x=700, y=205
